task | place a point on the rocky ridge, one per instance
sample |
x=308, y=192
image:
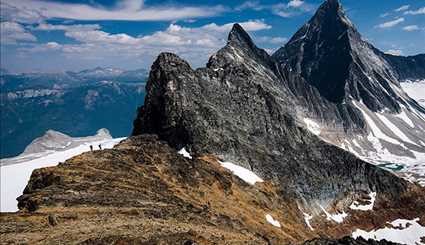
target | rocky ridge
x=142, y=191
x=243, y=107
x=237, y=109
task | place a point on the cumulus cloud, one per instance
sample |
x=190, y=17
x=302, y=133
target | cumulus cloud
x=391, y=23
x=286, y=10
x=194, y=44
x=12, y=32
x=35, y=11
x=295, y=3
x=402, y=8
x=416, y=12
x=411, y=28
x=254, y=5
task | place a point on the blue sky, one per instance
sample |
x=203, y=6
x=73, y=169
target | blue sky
x=54, y=36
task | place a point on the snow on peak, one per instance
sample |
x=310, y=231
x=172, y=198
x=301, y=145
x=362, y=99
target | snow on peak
x=272, y=221
x=246, y=175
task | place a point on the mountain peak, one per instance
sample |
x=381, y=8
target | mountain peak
x=239, y=36
x=332, y=3
x=332, y=10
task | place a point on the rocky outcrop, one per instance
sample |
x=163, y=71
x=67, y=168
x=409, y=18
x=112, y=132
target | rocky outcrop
x=330, y=54
x=244, y=107
x=347, y=241
x=237, y=108
x=144, y=192
x=352, y=90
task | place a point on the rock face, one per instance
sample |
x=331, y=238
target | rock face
x=237, y=108
x=408, y=68
x=352, y=91
x=144, y=192
x=347, y=241
x=330, y=54
x=244, y=107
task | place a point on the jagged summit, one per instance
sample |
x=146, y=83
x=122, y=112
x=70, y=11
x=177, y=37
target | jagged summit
x=332, y=4
x=330, y=54
x=238, y=109
x=238, y=36
x=240, y=48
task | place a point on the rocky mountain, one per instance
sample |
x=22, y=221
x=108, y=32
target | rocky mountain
x=247, y=150
x=77, y=104
x=143, y=192
x=351, y=91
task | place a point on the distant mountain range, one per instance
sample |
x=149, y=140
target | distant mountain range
x=76, y=103
x=318, y=140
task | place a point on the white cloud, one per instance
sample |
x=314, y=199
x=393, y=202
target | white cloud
x=252, y=25
x=12, y=32
x=79, y=27
x=34, y=11
x=254, y=5
x=272, y=40
x=384, y=15
x=295, y=3
x=402, y=8
x=411, y=28
x=396, y=52
x=194, y=44
x=390, y=24
x=416, y=12
x=53, y=45
x=286, y=10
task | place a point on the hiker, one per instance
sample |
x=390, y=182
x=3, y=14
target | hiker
x=100, y=146
x=91, y=148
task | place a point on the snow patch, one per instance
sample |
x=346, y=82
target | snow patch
x=15, y=177
x=402, y=231
x=395, y=129
x=184, y=153
x=338, y=218
x=376, y=131
x=415, y=90
x=312, y=126
x=403, y=116
x=357, y=206
x=307, y=218
x=246, y=175
x=272, y=221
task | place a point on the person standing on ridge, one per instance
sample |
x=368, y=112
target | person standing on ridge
x=100, y=146
x=91, y=148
